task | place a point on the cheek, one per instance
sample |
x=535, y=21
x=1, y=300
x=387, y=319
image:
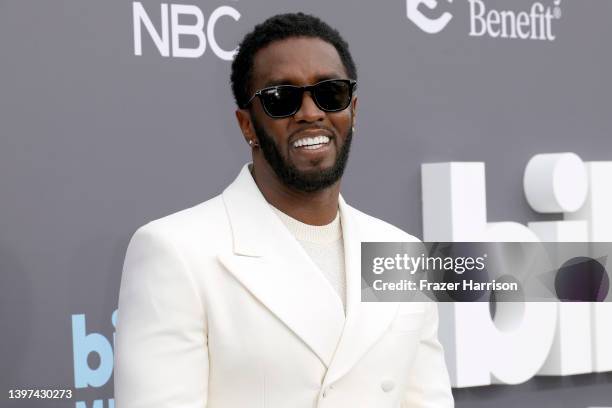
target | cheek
x=279, y=133
x=341, y=122
x=276, y=129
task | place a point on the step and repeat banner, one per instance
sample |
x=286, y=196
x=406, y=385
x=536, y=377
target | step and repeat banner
x=479, y=120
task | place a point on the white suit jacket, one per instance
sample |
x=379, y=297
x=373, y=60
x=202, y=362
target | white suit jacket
x=221, y=307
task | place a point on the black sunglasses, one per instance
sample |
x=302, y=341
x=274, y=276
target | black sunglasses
x=281, y=101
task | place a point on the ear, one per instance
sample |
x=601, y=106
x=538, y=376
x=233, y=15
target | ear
x=354, y=111
x=243, y=117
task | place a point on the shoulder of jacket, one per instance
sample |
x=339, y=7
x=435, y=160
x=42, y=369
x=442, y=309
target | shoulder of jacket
x=378, y=230
x=205, y=218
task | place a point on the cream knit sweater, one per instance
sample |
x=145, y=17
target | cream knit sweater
x=325, y=246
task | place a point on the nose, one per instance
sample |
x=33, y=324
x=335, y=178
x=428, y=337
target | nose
x=309, y=111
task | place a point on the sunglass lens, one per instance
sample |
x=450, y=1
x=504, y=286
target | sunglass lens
x=333, y=95
x=281, y=100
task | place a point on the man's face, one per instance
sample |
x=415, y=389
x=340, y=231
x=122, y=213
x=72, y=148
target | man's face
x=302, y=61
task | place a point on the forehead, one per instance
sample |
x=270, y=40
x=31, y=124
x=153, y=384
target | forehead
x=297, y=61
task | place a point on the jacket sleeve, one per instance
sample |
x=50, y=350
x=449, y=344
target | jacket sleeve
x=161, y=354
x=429, y=385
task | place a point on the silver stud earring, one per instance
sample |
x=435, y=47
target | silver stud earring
x=252, y=143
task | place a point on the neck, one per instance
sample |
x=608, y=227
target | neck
x=314, y=208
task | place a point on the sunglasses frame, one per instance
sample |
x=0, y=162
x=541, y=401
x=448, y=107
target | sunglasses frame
x=310, y=88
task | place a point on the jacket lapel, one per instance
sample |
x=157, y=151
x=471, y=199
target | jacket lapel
x=274, y=268
x=365, y=322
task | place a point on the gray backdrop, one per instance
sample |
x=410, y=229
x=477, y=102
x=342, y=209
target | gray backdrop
x=96, y=141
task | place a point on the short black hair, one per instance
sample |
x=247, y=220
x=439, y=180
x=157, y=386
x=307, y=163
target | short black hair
x=276, y=28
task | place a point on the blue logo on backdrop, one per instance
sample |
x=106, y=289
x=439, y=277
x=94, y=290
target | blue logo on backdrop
x=83, y=345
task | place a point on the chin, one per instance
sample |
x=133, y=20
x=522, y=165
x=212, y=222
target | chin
x=314, y=171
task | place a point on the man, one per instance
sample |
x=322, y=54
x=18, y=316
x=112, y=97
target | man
x=252, y=299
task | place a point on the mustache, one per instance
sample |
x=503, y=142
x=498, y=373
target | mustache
x=312, y=127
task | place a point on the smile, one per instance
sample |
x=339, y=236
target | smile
x=311, y=143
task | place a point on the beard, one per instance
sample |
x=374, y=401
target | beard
x=290, y=176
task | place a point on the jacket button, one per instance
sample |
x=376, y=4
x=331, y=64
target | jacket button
x=387, y=385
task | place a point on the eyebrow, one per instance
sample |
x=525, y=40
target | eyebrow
x=287, y=81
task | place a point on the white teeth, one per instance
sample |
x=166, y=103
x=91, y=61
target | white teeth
x=311, y=142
